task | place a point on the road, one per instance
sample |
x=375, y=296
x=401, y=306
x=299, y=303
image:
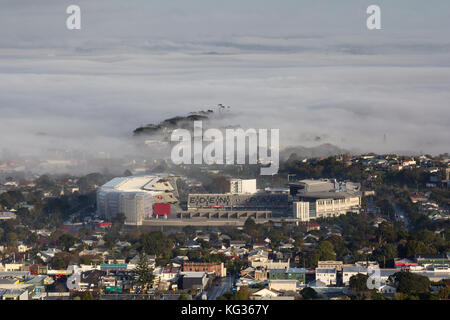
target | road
x=371, y=207
x=220, y=286
x=400, y=214
x=177, y=222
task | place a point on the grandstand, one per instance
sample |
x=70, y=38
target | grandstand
x=257, y=201
x=135, y=196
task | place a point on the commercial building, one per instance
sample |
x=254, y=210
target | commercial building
x=327, y=276
x=309, y=186
x=348, y=272
x=330, y=265
x=14, y=294
x=193, y=280
x=424, y=259
x=257, y=201
x=209, y=267
x=298, y=274
x=135, y=197
x=405, y=264
x=7, y=216
x=270, y=264
x=315, y=199
x=241, y=186
x=283, y=285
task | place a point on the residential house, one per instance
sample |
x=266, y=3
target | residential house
x=46, y=255
x=90, y=280
x=259, y=245
x=283, y=285
x=251, y=275
x=237, y=243
x=265, y=293
x=258, y=255
x=192, y=245
x=23, y=248
x=387, y=289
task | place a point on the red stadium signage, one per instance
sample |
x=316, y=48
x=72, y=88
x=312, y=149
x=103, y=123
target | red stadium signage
x=162, y=209
x=105, y=224
x=406, y=264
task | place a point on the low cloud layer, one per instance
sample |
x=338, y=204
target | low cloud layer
x=378, y=93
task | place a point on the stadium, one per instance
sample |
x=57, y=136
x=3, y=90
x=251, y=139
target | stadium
x=137, y=197
x=256, y=201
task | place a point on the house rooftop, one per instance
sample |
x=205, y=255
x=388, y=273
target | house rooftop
x=325, y=270
x=354, y=269
x=193, y=274
x=289, y=270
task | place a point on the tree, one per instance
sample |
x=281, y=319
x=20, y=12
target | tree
x=249, y=223
x=414, y=247
x=324, y=251
x=298, y=244
x=67, y=241
x=426, y=236
x=386, y=255
x=156, y=243
x=11, y=239
x=193, y=255
x=120, y=219
x=242, y=294
x=85, y=295
x=144, y=274
x=358, y=282
x=309, y=293
x=411, y=283
x=228, y=295
x=386, y=232
x=444, y=293
x=61, y=260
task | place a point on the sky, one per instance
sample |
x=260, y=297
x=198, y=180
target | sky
x=310, y=68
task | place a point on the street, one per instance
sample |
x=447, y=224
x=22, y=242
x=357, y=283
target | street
x=220, y=286
x=400, y=214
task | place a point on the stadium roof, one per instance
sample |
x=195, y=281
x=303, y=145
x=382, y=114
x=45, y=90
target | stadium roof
x=329, y=194
x=138, y=183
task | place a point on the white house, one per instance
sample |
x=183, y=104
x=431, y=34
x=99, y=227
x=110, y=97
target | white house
x=348, y=272
x=166, y=273
x=387, y=288
x=265, y=292
x=48, y=254
x=327, y=276
x=23, y=248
